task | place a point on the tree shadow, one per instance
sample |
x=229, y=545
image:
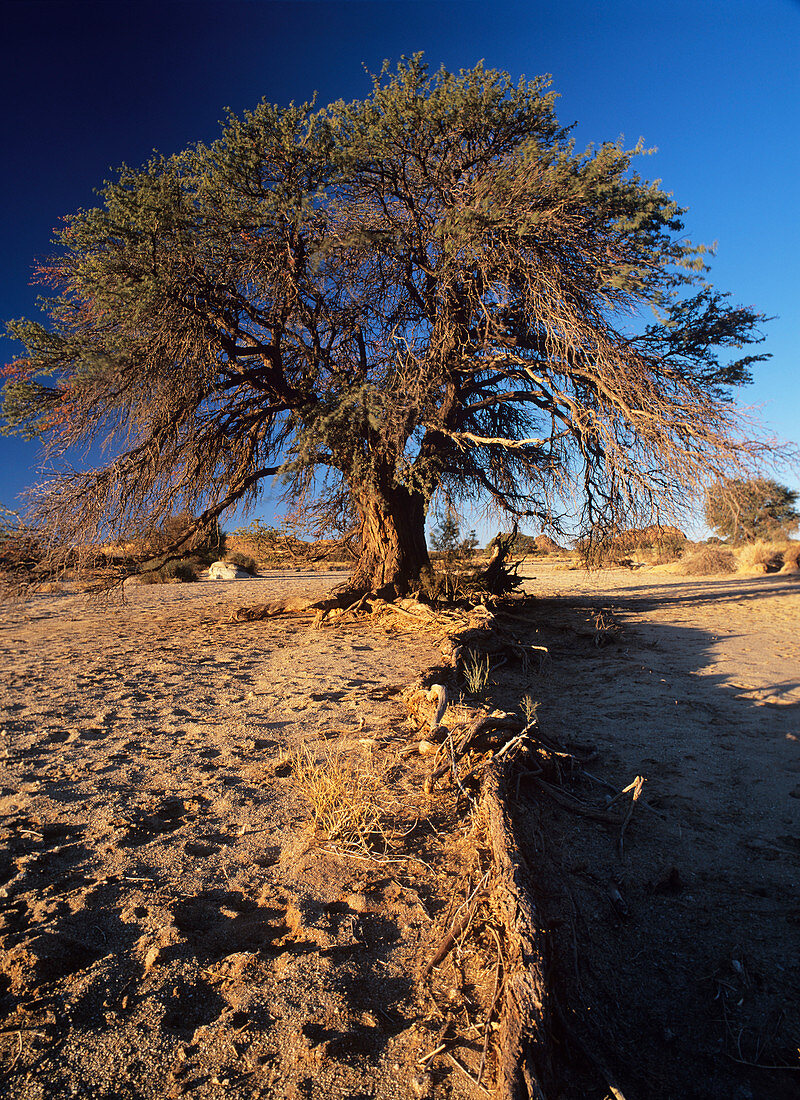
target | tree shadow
x=675, y=954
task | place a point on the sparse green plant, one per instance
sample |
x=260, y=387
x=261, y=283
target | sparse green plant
x=476, y=672
x=529, y=708
x=344, y=795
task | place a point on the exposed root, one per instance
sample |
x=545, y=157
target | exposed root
x=524, y=1042
x=292, y=606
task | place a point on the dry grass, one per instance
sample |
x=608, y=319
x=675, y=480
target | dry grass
x=791, y=556
x=344, y=795
x=476, y=673
x=769, y=555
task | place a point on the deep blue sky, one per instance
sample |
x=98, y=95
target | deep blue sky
x=713, y=84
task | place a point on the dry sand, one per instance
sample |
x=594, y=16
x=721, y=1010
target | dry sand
x=677, y=962
x=170, y=927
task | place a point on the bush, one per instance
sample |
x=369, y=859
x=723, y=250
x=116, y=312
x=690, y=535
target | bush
x=707, y=561
x=242, y=561
x=344, y=795
x=151, y=576
x=204, y=543
x=181, y=571
x=761, y=553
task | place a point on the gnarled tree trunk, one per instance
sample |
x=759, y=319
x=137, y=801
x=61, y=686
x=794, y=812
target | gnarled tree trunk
x=392, y=551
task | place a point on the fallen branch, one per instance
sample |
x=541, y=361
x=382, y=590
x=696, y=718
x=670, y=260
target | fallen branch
x=573, y=804
x=296, y=605
x=457, y=930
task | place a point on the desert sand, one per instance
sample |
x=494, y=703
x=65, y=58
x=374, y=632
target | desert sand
x=173, y=926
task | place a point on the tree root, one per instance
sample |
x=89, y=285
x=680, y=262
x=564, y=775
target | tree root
x=524, y=1059
x=256, y=612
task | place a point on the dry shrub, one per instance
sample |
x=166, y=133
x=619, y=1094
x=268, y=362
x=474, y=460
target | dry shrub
x=344, y=796
x=243, y=561
x=791, y=556
x=181, y=571
x=707, y=560
x=760, y=553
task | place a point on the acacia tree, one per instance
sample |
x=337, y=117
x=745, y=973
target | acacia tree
x=744, y=510
x=427, y=291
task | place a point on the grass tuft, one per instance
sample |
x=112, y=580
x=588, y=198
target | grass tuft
x=476, y=673
x=344, y=795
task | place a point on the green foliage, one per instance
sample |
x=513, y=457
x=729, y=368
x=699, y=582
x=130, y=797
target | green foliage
x=427, y=290
x=520, y=544
x=447, y=540
x=743, y=510
x=446, y=536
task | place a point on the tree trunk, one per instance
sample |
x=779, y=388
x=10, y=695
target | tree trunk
x=392, y=552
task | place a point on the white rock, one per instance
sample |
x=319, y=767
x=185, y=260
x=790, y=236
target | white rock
x=227, y=571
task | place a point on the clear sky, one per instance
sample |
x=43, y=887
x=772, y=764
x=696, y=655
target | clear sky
x=713, y=84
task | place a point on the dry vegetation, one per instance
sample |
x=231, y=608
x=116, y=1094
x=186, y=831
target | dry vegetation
x=345, y=794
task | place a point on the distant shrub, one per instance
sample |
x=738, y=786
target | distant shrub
x=708, y=560
x=150, y=576
x=181, y=571
x=761, y=553
x=206, y=543
x=791, y=556
x=243, y=561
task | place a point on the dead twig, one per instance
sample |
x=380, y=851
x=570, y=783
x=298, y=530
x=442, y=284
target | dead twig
x=636, y=789
x=459, y=927
x=467, y=1074
x=489, y=1014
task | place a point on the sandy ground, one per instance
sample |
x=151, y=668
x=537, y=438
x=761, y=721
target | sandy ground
x=171, y=928
x=169, y=925
x=677, y=961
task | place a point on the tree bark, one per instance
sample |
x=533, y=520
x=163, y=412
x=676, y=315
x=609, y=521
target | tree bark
x=392, y=552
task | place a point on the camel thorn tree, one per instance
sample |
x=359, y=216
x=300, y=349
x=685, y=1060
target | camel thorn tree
x=426, y=291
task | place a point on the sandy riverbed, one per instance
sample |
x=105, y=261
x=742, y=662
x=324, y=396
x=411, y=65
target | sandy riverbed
x=170, y=929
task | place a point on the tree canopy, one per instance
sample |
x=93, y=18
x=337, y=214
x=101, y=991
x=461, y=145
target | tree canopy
x=745, y=510
x=426, y=292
